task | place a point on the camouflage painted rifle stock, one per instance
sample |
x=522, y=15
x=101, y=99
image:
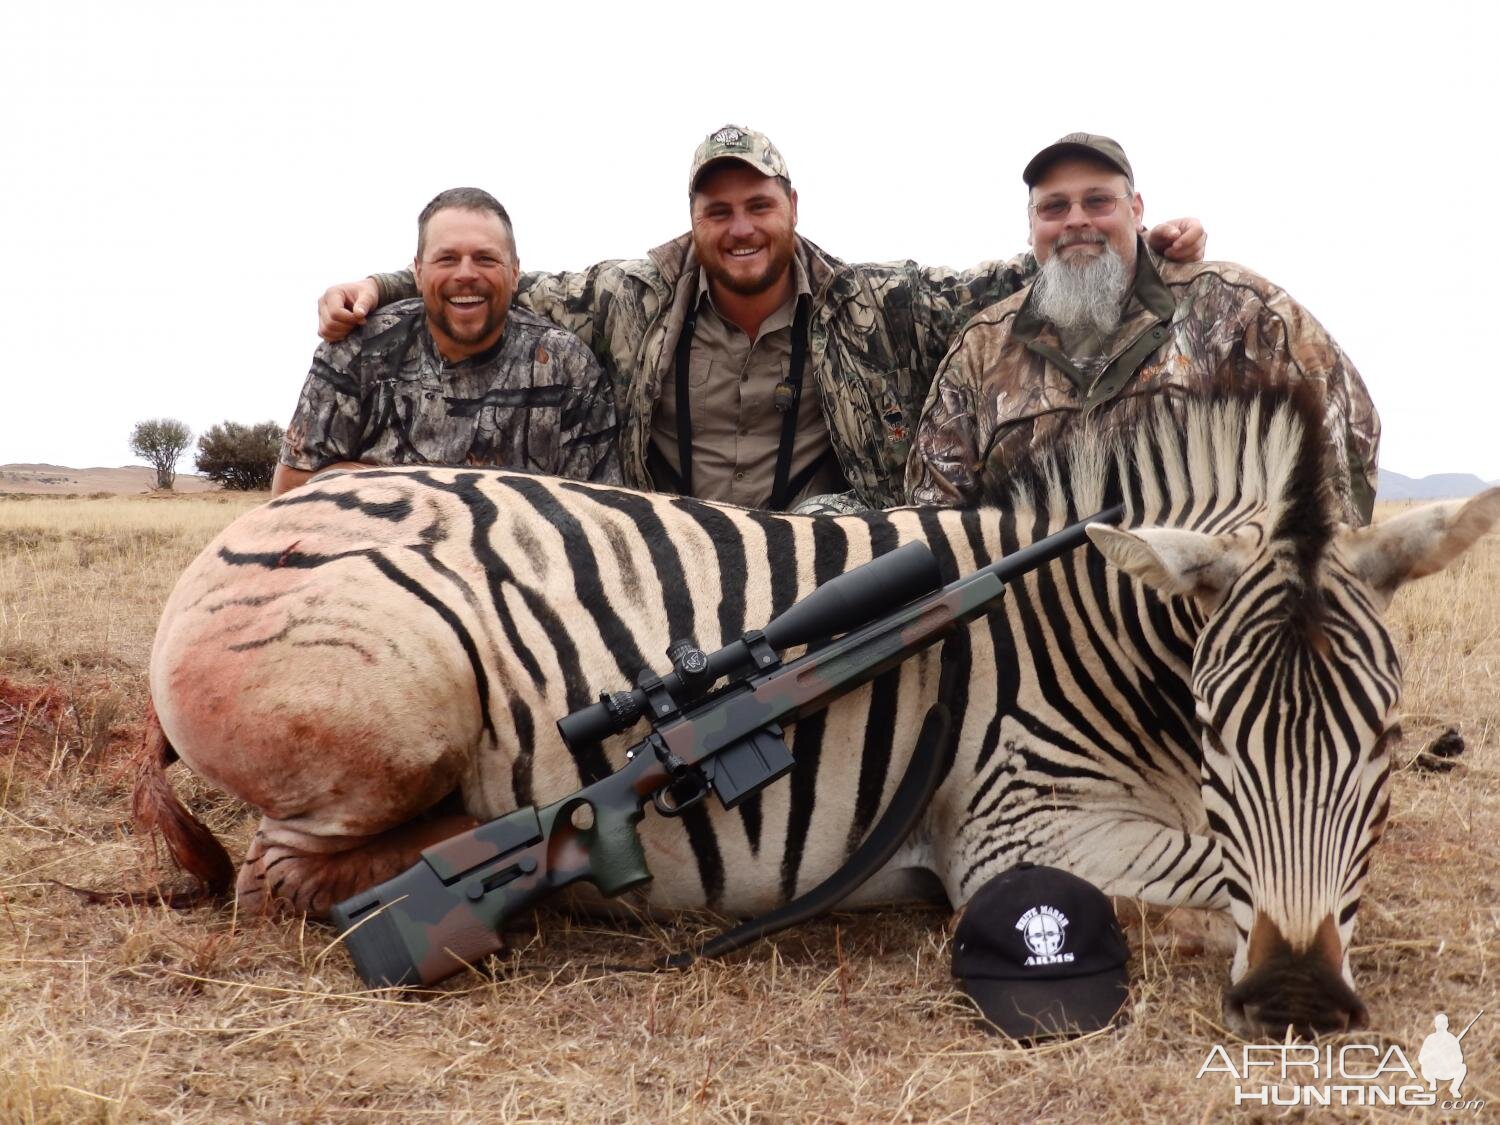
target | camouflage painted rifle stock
x=447, y=911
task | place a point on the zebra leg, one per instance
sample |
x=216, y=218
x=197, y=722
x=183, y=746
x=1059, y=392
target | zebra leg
x=1180, y=930
x=344, y=738
x=341, y=817
x=1143, y=859
x=286, y=869
x=1126, y=857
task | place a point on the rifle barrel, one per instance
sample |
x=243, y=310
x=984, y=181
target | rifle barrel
x=809, y=683
x=1468, y=1025
x=1043, y=551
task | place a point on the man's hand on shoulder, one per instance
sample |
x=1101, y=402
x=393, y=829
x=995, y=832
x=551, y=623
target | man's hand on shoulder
x=343, y=308
x=1181, y=240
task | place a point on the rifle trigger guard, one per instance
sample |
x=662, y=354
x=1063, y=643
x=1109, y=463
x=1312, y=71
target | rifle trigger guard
x=680, y=805
x=687, y=787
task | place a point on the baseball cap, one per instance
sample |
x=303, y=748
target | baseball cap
x=734, y=142
x=1077, y=144
x=1040, y=953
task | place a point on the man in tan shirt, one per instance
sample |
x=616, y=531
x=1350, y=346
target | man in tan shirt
x=735, y=419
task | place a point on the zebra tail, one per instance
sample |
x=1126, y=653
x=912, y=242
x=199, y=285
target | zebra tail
x=155, y=808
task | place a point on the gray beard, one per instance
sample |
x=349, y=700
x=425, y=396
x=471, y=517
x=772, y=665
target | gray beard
x=1088, y=295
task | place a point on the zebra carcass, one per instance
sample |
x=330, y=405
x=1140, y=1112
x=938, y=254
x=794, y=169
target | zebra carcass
x=1199, y=713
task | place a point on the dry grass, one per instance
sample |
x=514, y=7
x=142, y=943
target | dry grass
x=144, y=1014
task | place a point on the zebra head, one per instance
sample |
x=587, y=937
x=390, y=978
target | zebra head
x=1296, y=684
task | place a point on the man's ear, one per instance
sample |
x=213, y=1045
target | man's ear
x=1138, y=206
x=1173, y=562
x=792, y=195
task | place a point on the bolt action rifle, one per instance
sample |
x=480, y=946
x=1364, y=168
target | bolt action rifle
x=447, y=911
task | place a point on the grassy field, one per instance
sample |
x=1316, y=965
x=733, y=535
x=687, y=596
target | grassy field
x=143, y=1014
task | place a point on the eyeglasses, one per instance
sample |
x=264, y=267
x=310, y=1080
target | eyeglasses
x=1096, y=205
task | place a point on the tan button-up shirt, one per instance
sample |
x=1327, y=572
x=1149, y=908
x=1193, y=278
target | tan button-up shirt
x=731, y=395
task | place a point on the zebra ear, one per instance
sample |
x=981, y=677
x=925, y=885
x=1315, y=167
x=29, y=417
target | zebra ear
x=1420, y=542
x=1171, y=561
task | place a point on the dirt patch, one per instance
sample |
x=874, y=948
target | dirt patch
x=50, y=723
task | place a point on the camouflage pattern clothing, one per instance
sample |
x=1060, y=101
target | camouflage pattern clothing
x=1008, y=383
x=537, y=400
x=876, y=336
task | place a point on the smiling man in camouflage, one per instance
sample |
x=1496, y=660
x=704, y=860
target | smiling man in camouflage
x=456, y=376
x=752, y=366
x=1105, y=320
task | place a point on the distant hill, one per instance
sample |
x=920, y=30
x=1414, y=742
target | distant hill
x=59, y=480
x=1439, y=486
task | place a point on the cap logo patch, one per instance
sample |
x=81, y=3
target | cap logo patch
x=1042, y=928
x=730, y=136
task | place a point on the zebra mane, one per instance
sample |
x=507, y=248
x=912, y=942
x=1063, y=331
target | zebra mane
x=1210, y=457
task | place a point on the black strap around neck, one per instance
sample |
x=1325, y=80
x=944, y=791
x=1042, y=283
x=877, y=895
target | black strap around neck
x=684, y=408
x=779, y=489
x=779, y=497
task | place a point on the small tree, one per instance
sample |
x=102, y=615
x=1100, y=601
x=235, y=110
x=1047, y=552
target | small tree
x=240, y=457
x=161, y=441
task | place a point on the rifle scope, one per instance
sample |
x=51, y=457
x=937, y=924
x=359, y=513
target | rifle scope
x=840, y=604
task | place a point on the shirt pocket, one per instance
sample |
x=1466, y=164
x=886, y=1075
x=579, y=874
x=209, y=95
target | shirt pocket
x=700, y=374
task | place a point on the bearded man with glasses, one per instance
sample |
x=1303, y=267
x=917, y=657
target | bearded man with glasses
x=1106, y=319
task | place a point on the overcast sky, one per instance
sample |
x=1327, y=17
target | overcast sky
x=180, y=182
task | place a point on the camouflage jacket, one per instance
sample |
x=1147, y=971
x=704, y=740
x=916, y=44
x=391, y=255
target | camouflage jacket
x=537, y=400
x=1006, y=383
x=877, y=334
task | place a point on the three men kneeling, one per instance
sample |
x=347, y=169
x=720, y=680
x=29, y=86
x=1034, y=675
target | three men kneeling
x=752, y=367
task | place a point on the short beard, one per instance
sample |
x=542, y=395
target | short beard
x=1087, y=295
x=494, y=318
x=493, y=321
x=775, y=271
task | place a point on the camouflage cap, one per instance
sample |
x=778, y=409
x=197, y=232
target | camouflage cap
x=1078, y=144
x=733, y=142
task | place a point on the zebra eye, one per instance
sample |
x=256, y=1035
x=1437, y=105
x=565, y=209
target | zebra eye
x=1215, y=743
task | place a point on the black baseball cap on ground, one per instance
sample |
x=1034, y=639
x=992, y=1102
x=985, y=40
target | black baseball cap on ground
x=1040, y=953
